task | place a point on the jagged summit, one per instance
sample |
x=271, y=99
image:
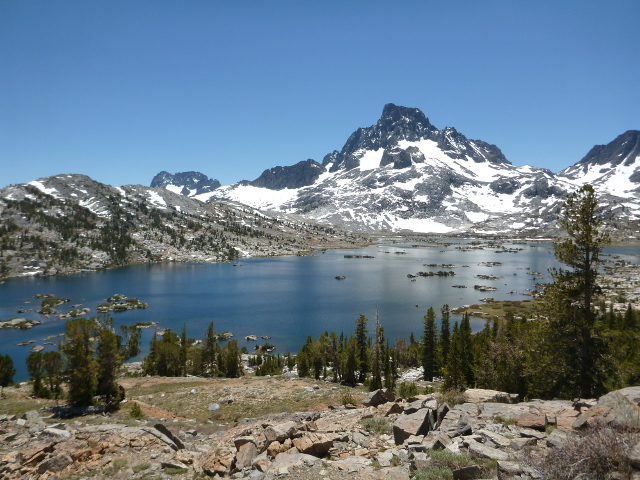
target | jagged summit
x=185, y=183
x=613, y=168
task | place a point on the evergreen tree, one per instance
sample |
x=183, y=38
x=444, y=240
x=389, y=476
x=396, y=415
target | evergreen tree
x=108, y=360
x=7, y=370
x=429, y=338
x=361, y=339
x=80, y=372
x=445, y=337
x=52, y=371
x=351, y=362
x=210, y=350
x=34, y=367
x=453, y=374
x=131, y=344
x=231, y=362
x=569, y=299
x=466, y=350
x=378, y=349
x=183, y=351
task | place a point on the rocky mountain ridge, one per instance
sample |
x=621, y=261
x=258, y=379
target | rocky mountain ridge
x=404, y=174
x=70, y=223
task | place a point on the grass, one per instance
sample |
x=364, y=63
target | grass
x=377, y=425
x=140, y=467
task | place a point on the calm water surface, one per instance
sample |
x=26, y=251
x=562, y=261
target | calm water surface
x=287, y=298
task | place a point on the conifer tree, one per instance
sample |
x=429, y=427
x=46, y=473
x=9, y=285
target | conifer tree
x=52, y=370
x=108, y=360
x=361, y=339
x=34, y=367
x=453, y=374
x=429, y=339
x=445, y=337
x=569, y=299
x=79, y=349
x=466, y=350
x=378, y=349
x=7, y=370
x=210, y=349
x=183, y=351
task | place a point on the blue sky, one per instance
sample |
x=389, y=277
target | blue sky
x=120, y=90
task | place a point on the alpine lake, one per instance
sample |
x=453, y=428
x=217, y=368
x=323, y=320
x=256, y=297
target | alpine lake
x=289, y=298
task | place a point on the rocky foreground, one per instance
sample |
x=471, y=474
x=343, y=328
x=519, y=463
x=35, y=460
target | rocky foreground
x=490, y=435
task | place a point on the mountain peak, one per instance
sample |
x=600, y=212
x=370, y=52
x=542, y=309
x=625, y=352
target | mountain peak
x=395, y=113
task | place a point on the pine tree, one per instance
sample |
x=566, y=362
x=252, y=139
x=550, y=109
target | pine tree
x=108, y=360
x=569, y=299
x=183, y=351
x=79, y=349
x=52, y=370
x=466, y=350
x=429, y=339
x=453, y=374
x=231, y=361
x=445, y=337
x=361, y=338
x=210, y=350
x=378, y=349
x=7, y=370
x=34, y=367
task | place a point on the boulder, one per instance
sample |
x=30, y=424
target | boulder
x=533, y=421
x=261, y=462
x=481, y=395
x=218, y=461
x=612, y=409
x=283, y=463
x=280, y=432
x=247, y=452
x=55, y=463
x=379, y=397
x=316, y=444
x=482, y=451
x=436, y=440
x=467, y=473
x=54, y=434
x=457, y=427
x=418, y=423
x=169, y=434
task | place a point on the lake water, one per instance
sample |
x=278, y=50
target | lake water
x=287, y=298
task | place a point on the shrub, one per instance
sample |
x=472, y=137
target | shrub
x=347, y=398
x=407, y=390
x=447, y=459
x=377, y=425
x=136, y=411
x=452, y=397
x=434, y=473
x=597, y=452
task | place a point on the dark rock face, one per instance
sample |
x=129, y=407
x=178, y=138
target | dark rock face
x=299, y=175
x=189, y=181
x=625, y=148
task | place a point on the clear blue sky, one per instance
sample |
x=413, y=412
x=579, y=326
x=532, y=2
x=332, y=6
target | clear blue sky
x=120, y=90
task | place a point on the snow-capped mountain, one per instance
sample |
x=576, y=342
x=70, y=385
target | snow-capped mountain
x=404, y=174
x=185, y=183
x=613, y=168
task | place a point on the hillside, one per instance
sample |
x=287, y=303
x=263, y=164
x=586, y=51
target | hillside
x=71, y=223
